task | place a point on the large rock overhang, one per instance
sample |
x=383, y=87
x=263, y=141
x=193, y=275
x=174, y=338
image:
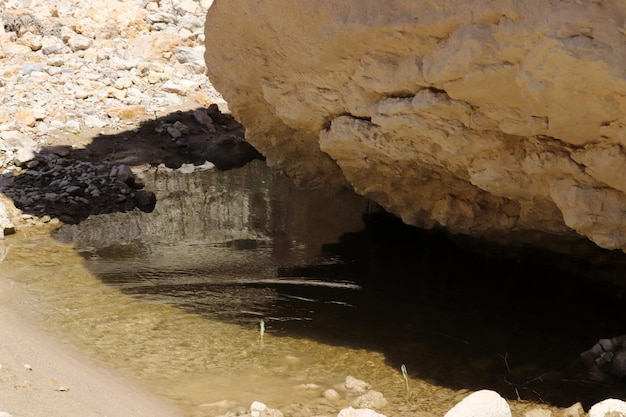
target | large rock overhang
x=505, y=118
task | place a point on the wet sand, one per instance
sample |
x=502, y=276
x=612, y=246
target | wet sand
x=41, y=376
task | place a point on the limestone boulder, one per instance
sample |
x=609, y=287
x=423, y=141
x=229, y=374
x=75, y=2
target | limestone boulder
x=506, y=118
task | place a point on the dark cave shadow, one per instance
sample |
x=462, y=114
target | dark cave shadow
x=477, y=318
x=59, y=181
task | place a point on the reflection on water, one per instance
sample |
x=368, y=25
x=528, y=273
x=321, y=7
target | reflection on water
x=176, y=297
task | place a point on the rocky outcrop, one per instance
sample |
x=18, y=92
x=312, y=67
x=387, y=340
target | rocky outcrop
x=503, y=118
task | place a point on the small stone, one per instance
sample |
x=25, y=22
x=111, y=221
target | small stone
x=575, y=410
x=52, y=197
x=30, y=68
x=26, y=118
x=34, y=42
x=182, y=87
x=124, y=174
x=62, y=388
x=123, y=83
x=186, y=54
x=32, y=164
x=6, y=226
x=82, y=94
x=258, y=409
x=79, y=43
x=181, y=127
x=171, y=99
x=145, y=200
x=55, y=61
x=39, y=112
x=116, y=93
x=371, y=399
x=28, y=367
x=154, y=77
x=127, y=112
x=54, y=48
x=174, y=133
x=356, y=385
x=484, y=403
x=93, y=121
x=331, y=395
x=359, y=412
x=172, y=87
x=186, y=168
x=72, y=126
x=203, y=118
x=608, y=408
x=607, y=344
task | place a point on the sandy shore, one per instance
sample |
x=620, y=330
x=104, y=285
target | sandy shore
x=42, y=377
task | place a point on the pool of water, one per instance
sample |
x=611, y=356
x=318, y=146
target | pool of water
x=176, y=298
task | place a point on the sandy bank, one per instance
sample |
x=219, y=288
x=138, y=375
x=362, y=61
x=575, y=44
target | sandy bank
x=40, y=376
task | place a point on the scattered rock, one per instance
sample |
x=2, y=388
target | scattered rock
x=123, y=174
x=575, y=410
x=145, y=200
x=482, y=403
x=331, y=395
x=26, y=118
x=80, y=43
x=127, y=112
x=372, y=399
x=6, y=226
x=607, y=359
x=155, y=55
x=608, y=408
x=356, y=385
x=358, y=412
x=228, y=152
x=203, y=118
x=258, y=409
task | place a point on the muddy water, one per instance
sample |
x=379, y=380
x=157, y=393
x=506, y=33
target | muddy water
x=176, y=298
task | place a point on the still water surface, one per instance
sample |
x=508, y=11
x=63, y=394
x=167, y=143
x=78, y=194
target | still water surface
x=176, y=297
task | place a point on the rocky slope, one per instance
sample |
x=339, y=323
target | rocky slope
x=506, y=118
x=87, y=92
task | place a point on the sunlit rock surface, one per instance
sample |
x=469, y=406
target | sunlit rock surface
x=503, y=118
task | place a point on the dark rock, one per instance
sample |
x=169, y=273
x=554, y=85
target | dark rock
x=230, y=152
x=145, y=200
x=125, y=175
x=606, y=359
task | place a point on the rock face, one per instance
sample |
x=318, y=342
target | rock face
x=501, y=118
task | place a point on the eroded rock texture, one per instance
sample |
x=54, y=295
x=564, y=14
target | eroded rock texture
x=487, y=119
